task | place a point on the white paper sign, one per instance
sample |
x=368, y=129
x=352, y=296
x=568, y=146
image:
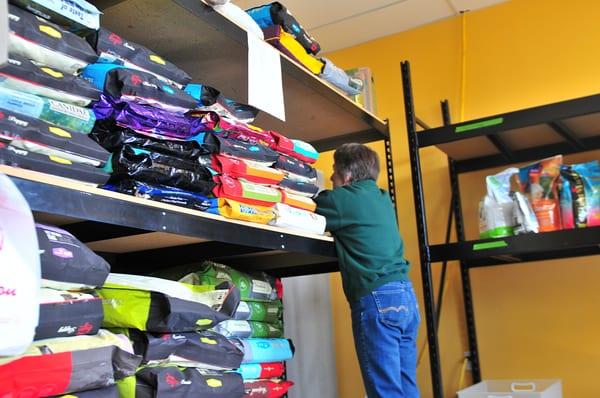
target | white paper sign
x=19, y=271
x=3, y=31
x=265, y=86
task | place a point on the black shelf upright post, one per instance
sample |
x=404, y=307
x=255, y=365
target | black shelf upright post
x=428, y=294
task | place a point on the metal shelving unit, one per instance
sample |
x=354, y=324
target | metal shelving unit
x=526, y=135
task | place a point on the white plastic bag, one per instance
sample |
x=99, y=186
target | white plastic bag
x=20, y=277
x=496, y=217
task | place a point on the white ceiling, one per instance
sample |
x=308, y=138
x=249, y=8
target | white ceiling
x=338, y=24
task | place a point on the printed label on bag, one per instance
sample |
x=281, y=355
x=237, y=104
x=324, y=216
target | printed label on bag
x=71, y=110
x=261, y=287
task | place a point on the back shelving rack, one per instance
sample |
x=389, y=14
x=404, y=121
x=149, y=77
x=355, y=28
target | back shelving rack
x=521, y=136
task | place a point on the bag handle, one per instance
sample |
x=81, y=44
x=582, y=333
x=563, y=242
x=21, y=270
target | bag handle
x=522, y=387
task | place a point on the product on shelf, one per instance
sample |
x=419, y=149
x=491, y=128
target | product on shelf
x=233, y=129
x=274, y=388
x=296, y=169
x=276, y=14
x=212, y=100
x=112, y=137
x=583, y=180
x=255, y=286
x=19, y=273
x=240, y=17
x=496, y=218
x=299, y=219
x=246, y=192
x=268, y=311
x=163, y=306
x=43, y=138
x=300, y=188
x=299, y=201
x=240, y=149
x=246, y=169
x=21, y=74
x=523, y=215
x=265, y=350
x=147, y=119
x=43, y=42
x=165, y=194
x=112, y=47
x=64, y=314
x=68, y=364
x=340, y=79
x=167, y=382
x=144, y=88
x=245, y=212
x=287, y=44
x=247, y=329
x=156, y=168
x=77, y=16
x=540, y=182
x=61, y=114
x=16, y=157
x=266, y=370
x=567, y=206
x=107, y=392
x=298, y=149
x=200, y=349
x=68, y=264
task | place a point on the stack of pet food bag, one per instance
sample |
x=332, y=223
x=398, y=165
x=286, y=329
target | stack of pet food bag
x=282, y=30
x=549, y=196
x=256, y=328
x=44, y=106
x=70, y=352
x=153, y=134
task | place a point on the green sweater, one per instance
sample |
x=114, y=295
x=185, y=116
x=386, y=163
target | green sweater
x=370, y=250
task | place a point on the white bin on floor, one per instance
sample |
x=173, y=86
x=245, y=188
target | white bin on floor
x=513, y=389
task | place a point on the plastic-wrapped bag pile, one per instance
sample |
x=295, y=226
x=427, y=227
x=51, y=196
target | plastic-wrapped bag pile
x=70, y=352
x=284, y=32
x=44, y=114
x=256, y=328
x=549, y=196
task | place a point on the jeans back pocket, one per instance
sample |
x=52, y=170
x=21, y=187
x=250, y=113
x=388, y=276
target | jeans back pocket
x=393, y=306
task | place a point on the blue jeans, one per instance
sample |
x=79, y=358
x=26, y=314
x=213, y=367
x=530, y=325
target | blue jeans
x=385, y=324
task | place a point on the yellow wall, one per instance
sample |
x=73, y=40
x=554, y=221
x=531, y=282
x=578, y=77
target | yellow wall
x=535, y=320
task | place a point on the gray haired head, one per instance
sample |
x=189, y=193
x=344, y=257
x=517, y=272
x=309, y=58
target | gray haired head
x=356, y=162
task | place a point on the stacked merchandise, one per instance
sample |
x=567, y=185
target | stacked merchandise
x=282, y=30
x=168, y=323
x=142, y=121
x=70, y=353
x=256, y=328
x=549, y=196
x=44, y=121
